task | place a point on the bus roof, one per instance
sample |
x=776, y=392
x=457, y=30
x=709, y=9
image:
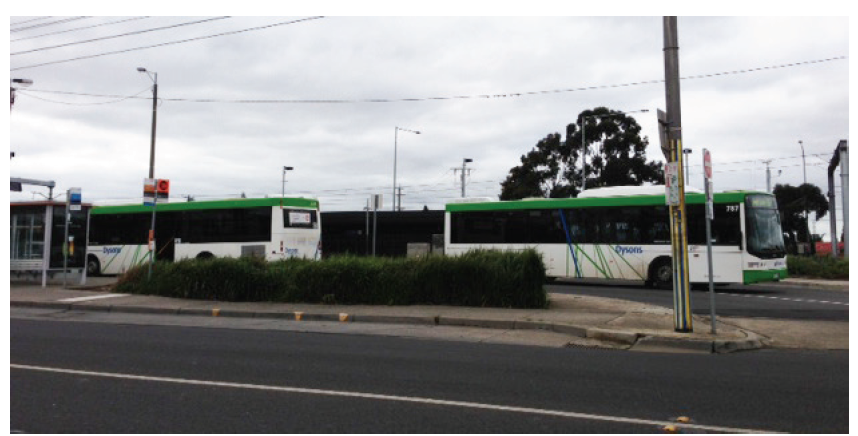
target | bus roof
x=236, y=203
x=603, y=201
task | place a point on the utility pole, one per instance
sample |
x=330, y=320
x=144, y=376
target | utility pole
x=803, y=198
x=399, y=199
x=463, y=170
x=768, y=176
x=844, y=187
x=676, y=199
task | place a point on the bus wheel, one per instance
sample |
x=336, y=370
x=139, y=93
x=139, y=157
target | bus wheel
x=205, y=255
x=661, y=273
x=93, y=266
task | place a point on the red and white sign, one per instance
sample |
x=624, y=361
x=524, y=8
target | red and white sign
x=707, y=164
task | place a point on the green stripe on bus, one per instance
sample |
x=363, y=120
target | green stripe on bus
x=767, y=275
x=205, y=205
x=567, y=203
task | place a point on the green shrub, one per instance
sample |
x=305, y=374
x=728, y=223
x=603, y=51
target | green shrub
x=477, y=278
x=818, y=267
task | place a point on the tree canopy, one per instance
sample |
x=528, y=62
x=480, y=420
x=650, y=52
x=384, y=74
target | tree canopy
x=616, y=156
x=792, y=202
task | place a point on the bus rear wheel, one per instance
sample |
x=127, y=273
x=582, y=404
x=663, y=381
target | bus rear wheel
x=661, y=273
x=93, y=266
x=205, y=255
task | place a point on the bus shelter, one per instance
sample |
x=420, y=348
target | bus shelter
x=37, y=243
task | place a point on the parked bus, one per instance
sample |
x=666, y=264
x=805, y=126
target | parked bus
x=624, y=233
x=271, y=228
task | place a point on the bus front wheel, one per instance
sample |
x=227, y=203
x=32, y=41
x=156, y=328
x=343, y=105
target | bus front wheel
x=93, y=266
x=661, y=273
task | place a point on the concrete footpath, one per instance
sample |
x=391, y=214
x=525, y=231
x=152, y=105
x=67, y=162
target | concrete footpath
x=570, y=320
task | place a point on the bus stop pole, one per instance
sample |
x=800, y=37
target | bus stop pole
x=66, y=217
x=152, y=237
x=710, y=214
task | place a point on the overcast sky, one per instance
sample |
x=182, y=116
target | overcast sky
x=325, y=96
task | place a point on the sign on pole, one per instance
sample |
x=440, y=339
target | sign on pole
x=74, y=198
x=671, y=182
x=707, y=181
x=710, y=215
x=148, y=192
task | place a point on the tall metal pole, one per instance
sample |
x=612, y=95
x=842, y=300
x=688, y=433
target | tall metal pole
x=395, y=146
x=583, y=154
x=768, y=176
x=844, y=187
x=395, y=142
x=464, y=164
x=681, y=285
x=804, y=199
x=154, y=122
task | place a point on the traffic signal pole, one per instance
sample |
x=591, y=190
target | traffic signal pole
x=678, y=224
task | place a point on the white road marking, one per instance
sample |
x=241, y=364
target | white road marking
x=797, y=300
x=93, y=297
x=380, y=397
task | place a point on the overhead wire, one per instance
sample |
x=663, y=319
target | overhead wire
x=182, y=41
x=103, y=38
x=138, y=32
x=459, y=97
x=52, y=23
x=31, y=20
x=81, y=28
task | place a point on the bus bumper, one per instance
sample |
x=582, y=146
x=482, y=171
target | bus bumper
x=766, y=275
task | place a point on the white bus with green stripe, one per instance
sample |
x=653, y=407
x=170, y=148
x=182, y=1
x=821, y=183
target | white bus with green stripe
x=624, y=233
x=271, y=228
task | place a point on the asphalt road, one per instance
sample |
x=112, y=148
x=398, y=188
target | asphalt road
x=757, y=301
x=167, y=379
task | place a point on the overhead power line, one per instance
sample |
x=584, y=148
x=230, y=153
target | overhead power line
x=138, y=32
x=80, y=28
x=284, y=23
x=63, y=21
x=481, y=96
x=31, y=20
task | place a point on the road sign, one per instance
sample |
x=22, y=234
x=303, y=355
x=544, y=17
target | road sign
x=162, y=188
x=707, y=164
x=74, y=198
x=148, y=192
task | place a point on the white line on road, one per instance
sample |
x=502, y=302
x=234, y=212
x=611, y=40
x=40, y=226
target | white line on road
x=419, y=400
x=93, y=297
x=797, y=300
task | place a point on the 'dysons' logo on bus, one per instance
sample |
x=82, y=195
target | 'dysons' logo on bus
x=621, y=250
x=111, y=250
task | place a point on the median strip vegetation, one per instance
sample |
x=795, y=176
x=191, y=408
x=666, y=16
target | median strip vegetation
x=482, y=278
x=818, y=267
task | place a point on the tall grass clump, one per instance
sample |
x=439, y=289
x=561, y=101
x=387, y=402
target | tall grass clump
x=476, y=278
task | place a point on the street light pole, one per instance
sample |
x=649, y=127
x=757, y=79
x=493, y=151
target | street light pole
x=154, y=119
x=584, y=141
x=804, y=199
x=283, y=192
x=395, y=147
x=686, y=152
x=464, y=162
